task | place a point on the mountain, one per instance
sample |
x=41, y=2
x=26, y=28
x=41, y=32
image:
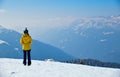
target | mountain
x=94, y=37
x=15, y=68
x=11, y=48
x=93, y=62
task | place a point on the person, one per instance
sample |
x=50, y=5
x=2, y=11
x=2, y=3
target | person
x=26, y=41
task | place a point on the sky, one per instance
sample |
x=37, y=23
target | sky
x=17, y=14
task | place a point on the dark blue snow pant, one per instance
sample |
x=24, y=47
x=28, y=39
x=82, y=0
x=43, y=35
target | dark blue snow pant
x=26, y=53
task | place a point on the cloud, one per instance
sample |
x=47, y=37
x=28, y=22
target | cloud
x=44, y=23
x=2, y=11
x=60, y=20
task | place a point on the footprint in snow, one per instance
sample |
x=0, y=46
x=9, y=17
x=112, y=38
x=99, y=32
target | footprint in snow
x=12, y=72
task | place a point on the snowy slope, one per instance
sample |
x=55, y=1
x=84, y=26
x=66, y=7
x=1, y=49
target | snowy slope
x=14, y=68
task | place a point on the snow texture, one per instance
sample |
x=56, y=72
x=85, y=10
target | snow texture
x=3, y=42
x=15, y=68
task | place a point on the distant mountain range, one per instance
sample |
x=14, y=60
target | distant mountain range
x=11, y=48
x=94, y=37
x=93, y=62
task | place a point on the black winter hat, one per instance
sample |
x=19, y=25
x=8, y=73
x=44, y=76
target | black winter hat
x=25, y=31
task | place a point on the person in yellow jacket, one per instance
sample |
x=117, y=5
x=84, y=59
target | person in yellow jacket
x=26, y=41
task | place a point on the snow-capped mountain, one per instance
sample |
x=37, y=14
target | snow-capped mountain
x=95, y=37
x=10, y=47
x=15, y=68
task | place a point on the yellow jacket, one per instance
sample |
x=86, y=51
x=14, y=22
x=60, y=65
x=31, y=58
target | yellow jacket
x=26, y=41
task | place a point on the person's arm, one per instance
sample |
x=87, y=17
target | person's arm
x=21, y=40
x=30, y=40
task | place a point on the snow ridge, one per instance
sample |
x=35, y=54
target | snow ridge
x=3, y=42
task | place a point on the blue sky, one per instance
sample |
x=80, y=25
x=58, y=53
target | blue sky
x=14, y=13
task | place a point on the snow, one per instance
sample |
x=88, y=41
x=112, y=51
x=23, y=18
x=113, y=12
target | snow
x=16, y=49
x=103, y=40
x=3, y=42
x=107, y=33
x=15, y=68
